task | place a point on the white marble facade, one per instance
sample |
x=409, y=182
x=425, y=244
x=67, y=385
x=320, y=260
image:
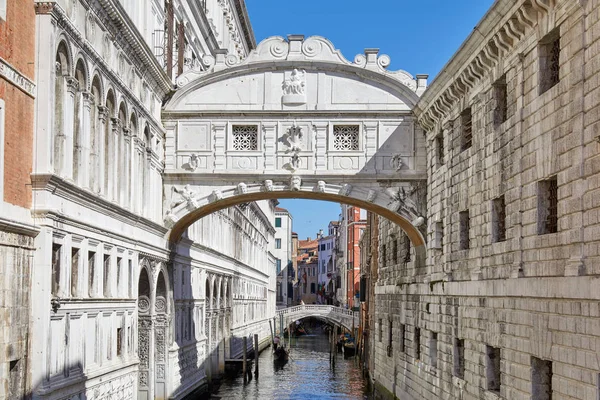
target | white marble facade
x=116, y=310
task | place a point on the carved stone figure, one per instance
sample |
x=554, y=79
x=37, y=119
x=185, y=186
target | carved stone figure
x=401, y=201
x=216, y=195
x=295, y=161
x=170, y=219
x=186, y=196
x=242, y=188
x=371, y=196
x=268, y=185
x=345, y=190
x=295, y=83
x=295, y=183
x=320, y=187
x=294, y=88
x=193, y=162
x=396, y=162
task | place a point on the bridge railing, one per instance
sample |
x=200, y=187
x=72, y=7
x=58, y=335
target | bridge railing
x=318, y=308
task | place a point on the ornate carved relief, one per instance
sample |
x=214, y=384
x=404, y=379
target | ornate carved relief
x=185, y=196
x=294, y=88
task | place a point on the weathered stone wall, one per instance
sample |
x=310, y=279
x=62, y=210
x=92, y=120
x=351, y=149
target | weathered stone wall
x=16, y=253
x=507, y=303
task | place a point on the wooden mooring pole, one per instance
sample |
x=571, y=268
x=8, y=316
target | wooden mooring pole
x=245, y=358
x=256, y=355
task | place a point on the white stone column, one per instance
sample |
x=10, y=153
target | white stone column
x=100, y=135
x=68, y=126
x=133, y=174
x=85, y=163
x=126, y=157
x=113, y=176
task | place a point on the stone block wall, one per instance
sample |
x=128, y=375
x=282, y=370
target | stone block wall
x=505, y=305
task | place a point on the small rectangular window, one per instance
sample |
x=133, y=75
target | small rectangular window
x=278, y=263
x=312, y=288
x=466, y=123
x=383, y=255
x=277, y=222
x=380, y=330
x=91, y=272
x=119, y=272
x=406, y=249
x=56, y=267
x=402, y=337
x=464, y=229
x=119, y=341
x=549, y=60
x=130, y=279
x=438, y=240
x=433, y=343
x=395, y=251
x=459, y=358
x=439, y=147
x=277, y=243
x=541, y=379
x=498, y=220
x=106, y=280
x=548, y=206
x=74, y=271
x=390, y=332
x=417, y=343
x=492, y=368
x=501, y=100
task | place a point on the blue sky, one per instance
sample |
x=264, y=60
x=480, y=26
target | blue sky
x=420, y=36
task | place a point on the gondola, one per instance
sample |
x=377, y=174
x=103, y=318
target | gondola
x=349, y=349
x=280, y=355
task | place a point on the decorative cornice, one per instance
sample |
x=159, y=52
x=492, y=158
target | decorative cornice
x=493, y=39
x=15, y=77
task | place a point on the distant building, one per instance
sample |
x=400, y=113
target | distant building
x=355, y=223
x=282, y=251
x=327, y=253
x=308, y=258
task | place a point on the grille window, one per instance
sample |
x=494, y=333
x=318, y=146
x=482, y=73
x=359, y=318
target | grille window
x=466, y=121
x=345, y=137
x=499, y=220
x=548, y=206
x=464, y=229
x=549, y=59
x=245, y=137
x=501, y=98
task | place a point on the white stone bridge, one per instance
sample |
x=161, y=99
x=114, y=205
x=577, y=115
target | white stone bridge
x=335, y=315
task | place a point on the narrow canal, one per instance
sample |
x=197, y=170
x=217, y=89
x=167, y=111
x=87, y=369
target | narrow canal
x=307, y=375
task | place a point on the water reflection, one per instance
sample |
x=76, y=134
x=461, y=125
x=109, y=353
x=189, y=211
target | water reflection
x=307, y=375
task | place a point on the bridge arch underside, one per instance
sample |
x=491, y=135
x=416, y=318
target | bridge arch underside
x=330, y=320
x=182, y=218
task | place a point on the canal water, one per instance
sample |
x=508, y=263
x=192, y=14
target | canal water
x=307, y=375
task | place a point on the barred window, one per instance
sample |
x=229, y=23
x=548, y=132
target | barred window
x=548, y=206
x=466, y=122
x=498, y=219
x=245, y=137
x=464, y=229
x=345, y=137
x=501, y=99
x=549, y=60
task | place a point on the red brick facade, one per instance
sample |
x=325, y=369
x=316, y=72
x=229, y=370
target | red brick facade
x=17, y=48
x=356, y=226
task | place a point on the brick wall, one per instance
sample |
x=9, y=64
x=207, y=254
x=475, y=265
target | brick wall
x=17, y=47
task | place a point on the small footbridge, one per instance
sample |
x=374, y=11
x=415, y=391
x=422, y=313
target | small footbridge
x=335, y=315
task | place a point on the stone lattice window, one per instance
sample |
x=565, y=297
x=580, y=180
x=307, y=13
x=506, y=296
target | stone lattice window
x=464, y=230
x=245, y=137
x=459, y=358
x=549, y=59
x=541, y=379
x=501, y=100
x=466, y=122
x=498, y=220
x=492, y=368
x=548, y=206
x=345, y=137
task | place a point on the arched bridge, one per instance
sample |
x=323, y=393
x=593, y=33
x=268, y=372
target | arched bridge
x=336, y=315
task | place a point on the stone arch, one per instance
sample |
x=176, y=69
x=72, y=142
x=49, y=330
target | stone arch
x=122, y=113
x=215, y=291
x=109, y=143
x=322, y=318
x=97, y=88
x=144, y=289
x=161, y=292
x=133, y=124
x=97, y=119
x=63, y=57
x=81, y=73
x=81, y=80
x=383, y=202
